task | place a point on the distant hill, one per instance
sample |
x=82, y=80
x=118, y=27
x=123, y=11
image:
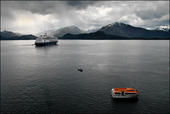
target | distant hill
x=62, y=31
x=8, y=35
x=100, y=35
x=125, y=30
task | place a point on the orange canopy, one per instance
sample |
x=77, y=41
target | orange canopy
x=127, y=90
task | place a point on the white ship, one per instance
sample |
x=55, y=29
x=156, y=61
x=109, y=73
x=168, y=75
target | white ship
x=45, y=40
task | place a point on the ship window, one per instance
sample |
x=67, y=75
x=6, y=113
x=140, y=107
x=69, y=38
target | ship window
x=130, y=93
x=117, y=93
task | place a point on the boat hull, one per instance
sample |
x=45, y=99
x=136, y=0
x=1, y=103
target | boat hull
x=125, y=96
x=46, y=43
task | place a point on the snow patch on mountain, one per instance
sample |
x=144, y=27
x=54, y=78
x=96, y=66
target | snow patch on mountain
x=163, y=28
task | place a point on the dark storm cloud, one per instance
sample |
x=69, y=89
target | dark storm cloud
x=41, y=7
x=45, y=7
x=81, y=4
x=25, y=16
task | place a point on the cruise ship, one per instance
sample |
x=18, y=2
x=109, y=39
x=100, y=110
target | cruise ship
x=45, y=40
x=127, y=93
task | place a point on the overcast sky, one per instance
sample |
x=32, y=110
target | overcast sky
x=35, y=16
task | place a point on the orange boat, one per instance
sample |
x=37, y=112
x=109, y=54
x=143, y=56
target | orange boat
x=124, y=93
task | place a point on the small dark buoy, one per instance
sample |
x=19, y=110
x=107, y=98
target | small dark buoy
x=79, y=69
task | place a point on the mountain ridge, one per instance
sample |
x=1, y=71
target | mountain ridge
x=126, y=30
x=100, y=35
x=8, y=35
x=64, y=30
x=110, y=31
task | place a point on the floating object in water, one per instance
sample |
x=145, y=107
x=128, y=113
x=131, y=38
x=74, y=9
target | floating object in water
x=79, y=69
x=45, y=40
x=127, y=93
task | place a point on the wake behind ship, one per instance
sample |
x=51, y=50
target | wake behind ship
x=45, y=40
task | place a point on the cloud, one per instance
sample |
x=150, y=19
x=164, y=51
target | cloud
x=36, y=16
x=154, y=9
x=36, y=22
x=81, y=4
x=132, y=19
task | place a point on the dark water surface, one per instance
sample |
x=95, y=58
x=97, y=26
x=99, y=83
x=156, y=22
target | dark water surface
x=46, y=79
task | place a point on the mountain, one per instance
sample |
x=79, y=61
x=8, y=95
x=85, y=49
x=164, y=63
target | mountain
x=109, y=32
x=163, y=28
x=125, y=30
x=62, y=31
x=8, y=35
x=99, y=35
x=90, y=31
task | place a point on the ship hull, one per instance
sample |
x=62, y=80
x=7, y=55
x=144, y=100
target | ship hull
x=45, y=43
x=125, y=97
